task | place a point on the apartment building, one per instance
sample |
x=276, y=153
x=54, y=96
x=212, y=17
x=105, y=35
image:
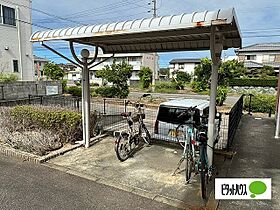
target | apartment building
x=137, y=60
x=16, y=54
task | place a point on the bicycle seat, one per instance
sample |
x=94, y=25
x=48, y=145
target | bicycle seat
x=126, y=114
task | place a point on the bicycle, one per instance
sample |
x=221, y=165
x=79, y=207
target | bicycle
x=188, y=130
x=196, y=139
x=129, y=139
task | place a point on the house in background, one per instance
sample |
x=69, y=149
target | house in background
x=186, y=65
x=16, y=54
x=39, y=64
x=137, y=60
x=260, y=55
x=72, y=73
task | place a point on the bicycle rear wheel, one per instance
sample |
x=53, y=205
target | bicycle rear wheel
x=122, y=148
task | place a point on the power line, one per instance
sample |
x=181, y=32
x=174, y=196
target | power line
x=43, y=12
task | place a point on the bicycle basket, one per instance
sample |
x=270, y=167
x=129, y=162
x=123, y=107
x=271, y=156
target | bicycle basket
x=135, y=117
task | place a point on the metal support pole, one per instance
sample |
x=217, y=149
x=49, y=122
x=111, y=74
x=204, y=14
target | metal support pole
x=278, y=122
x=86, y=91
x=2, y=90
x=104, y=105
x=216, y=49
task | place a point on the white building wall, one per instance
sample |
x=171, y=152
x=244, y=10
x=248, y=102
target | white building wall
x=135, y=59
x=14, y=41
x=189, y=68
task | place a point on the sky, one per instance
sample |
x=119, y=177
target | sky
x=259, y=20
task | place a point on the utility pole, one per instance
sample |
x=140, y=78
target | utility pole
x=154, y=54
x=154, y=8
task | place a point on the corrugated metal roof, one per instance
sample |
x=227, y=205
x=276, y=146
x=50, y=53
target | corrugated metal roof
x=167, y=33
x=36, y=58
x=185, y=60
x=261, y=47
x=253, y=64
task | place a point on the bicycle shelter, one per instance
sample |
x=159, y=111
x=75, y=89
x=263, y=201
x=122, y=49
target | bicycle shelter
x=215, y=30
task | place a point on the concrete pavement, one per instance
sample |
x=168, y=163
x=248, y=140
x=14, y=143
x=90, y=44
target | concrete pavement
x=24, y=185
x=257, y=155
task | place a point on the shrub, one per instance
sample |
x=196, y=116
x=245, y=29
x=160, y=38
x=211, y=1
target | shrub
x=183, y=76
x=222, y=92
x=64, y=85
x=199, y=86
x=256, y=82
x=145, y=75
x=75, y=91
x=8, y=77
x=67, y=124
x=108, y=92
x=94, y=84
x=261, y=103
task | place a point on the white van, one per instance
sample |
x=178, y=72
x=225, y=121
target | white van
x=167, y=117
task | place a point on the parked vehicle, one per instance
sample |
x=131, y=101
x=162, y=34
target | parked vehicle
x=167, y=118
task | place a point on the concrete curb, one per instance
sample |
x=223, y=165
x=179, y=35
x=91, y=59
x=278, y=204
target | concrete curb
x=25, y=156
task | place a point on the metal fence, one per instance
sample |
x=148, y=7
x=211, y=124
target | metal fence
x=111, y=110
x=234, y=119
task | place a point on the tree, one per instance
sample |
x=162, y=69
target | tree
x=230, y=69
x=118, y=74
x=53, y=71
x=145, y=75
x=183, y=77
x=202, y=74
x=227, y=70
x=266, y=71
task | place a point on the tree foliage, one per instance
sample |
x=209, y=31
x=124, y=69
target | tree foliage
x=266, y=71
x=145, y=75
x=118, y=74
x=227, y=71
x=8, y=77
x=230, y=69
x=183, y=76
x=53, y=71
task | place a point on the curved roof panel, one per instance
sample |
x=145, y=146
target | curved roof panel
x=167, y=33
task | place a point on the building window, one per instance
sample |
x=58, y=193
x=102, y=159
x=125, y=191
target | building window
x=251, y=57
x=9, y=16
x=269, y=58
x=15, y=65
x=181, y=66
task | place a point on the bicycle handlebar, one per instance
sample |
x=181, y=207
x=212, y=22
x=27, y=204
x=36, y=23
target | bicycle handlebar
x=184, y=113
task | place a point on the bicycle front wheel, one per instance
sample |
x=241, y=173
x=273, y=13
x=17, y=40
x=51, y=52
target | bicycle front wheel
x=145, y=134
x=203, y=173
x=122, y=148
x=189, y=163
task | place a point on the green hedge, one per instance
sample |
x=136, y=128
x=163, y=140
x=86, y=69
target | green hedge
x=261, y=103
x=256, y=82
x=74, y=90
x=108, y=92
x=66, y=123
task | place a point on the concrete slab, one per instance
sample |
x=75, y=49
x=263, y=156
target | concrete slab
x=148, y=173
x=257, y=155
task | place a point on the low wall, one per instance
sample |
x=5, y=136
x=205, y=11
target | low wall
x=21, y=89
x=250, y=89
